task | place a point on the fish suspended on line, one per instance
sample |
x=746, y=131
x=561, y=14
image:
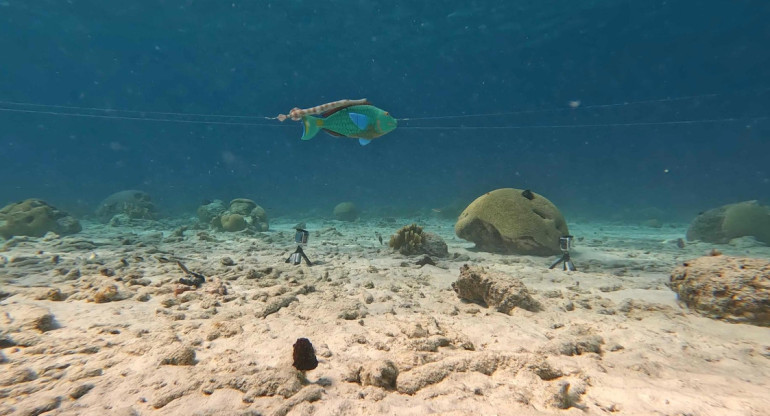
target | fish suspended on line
x=357, y=119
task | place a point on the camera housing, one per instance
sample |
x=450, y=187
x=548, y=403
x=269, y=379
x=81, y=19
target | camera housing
x=565, y=243
x=301, y=236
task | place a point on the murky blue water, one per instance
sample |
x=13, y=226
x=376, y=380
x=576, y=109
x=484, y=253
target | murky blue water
x=413, y=59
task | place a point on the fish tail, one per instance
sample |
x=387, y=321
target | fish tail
x=311, y=126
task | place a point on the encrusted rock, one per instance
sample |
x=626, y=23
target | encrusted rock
x=180, y=356
x=495, y=289
x=382, y=373
x=733, y=289
x=507, y=221
x=108, y=293
x=416, y=379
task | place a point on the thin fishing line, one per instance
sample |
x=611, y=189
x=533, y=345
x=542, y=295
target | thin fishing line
x=517, y=112
x=573, y=126
x=520, y=127
x=112, y=110
x=551, y=110
x=588, y=107
x=166, y=120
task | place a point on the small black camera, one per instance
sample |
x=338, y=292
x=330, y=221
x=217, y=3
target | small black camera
x=301, y=236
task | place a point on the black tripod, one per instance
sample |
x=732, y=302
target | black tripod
x=297, y=256
x=566, y=260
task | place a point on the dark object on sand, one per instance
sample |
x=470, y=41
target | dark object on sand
x=304, y=355
x=379, y=236
x=197, y=278
x=680, y=243
x=528, y=194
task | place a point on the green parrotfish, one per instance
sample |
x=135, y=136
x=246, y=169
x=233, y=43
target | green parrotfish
x=362, y=122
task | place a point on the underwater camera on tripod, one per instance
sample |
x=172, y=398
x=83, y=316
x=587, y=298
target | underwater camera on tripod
x=565, y=244
x=300, y=237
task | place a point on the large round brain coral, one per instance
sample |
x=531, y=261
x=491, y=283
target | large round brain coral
x=513, y=221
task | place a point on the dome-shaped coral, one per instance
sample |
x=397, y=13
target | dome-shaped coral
x=513, y=221
x=346, y=211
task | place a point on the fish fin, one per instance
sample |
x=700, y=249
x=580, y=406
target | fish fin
x=332, y=111
x=333, y=133
x=310, y=127
x=360, y=120
x=364, y=142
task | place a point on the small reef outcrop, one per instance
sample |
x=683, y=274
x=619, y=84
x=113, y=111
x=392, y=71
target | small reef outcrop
x=733, y=289
x=411, y=240
x=35, y=218
x=210, y=210
x=493, y=289
x=136, y=205
x=241, y=214
x=742, y=219
x=346, y=211
x=513, y=221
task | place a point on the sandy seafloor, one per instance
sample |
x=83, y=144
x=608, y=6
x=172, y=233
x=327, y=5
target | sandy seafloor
x=634, y=349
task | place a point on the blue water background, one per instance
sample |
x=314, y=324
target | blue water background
x=412, y=58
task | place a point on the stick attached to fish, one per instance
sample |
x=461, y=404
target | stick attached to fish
x=357, y=119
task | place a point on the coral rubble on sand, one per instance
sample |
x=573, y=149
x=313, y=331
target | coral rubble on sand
x=171, y=317
x=495, y=289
